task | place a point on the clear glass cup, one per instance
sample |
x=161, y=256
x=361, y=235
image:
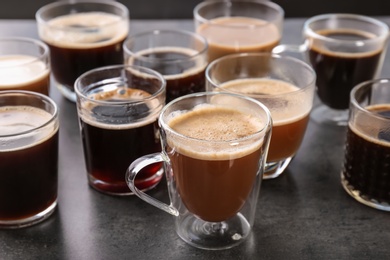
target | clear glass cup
x=214, y=147
x=365, y=173
x=180, y=56
x=29, y=158
x=24, y=65
x=82, y=35
x=344, y=50
x=232, y=26
x=118, y=108
x=284, y=84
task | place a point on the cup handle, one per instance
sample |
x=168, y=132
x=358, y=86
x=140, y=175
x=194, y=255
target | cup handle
x=282, y=48
x=131, y=174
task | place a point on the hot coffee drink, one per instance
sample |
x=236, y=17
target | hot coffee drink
x=83, y=41
x=110, y=144
x=290, y=113
x=22, y=72
x=214, y=182
x=366, y=166
x=339, y=69
x=28, y=168
x=227, y=35
x=183, y=74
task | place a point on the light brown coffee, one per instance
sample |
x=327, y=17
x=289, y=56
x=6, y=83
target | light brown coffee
x=227, y=35
x=214, y=176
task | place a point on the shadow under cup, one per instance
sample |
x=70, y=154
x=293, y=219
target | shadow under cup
x=284, y=84
x=118, y=107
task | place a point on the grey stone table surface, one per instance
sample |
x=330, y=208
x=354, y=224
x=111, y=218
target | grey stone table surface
x=303, y=214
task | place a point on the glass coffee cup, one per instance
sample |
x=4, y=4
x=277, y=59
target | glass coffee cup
x=284, y=84
x=214, y=147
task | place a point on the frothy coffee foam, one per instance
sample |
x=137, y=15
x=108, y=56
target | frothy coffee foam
x=285, y=108
x=20, y=70
x=85, y=30
x=19, y=119
x=210, y=125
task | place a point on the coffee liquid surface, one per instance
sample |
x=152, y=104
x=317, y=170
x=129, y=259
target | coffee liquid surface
x=214, y=180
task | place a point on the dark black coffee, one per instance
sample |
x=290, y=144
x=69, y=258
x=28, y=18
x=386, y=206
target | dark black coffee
x=339, y=69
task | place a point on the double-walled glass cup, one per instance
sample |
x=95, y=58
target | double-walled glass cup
x=366, y=170
x=344, y=50
x=24, y=65
x=118, y=107
x=214, y=147
x=284, y=84
x=82, y=35
x=28, y=158
x=232, y=26
x=180, y=56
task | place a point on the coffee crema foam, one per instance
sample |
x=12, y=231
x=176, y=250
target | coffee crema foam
x=210, y=128
x=85, y=30
x=16, y=120
x=118, y=94
x=290, y=107
x=200, y=65
x=21, y=70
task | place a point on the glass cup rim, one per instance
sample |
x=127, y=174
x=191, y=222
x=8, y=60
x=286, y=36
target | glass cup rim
x=196, y=36
x=54, y=114
x=57, y=4
x=32, y=41
x=166, y=127
x=356, y=104
x=311, y=33
x=268, y=4
x=83, y=95
x=304, y=65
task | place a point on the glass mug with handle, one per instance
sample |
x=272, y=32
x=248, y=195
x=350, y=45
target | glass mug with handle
x=344, y=50
x=214, y=147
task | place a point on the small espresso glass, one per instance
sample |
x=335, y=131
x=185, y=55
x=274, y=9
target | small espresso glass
x=344, y=50
x=232, y=26
x=28, y=158
x=82, y=35
x=180, y=56
x=365, y=173
x=24, y=65
x=284, y=84
x=214, y=147
x=118, y=108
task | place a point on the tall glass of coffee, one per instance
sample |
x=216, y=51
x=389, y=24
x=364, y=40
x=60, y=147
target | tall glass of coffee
x=28, y=158
x=118, y=108
x=344, y=50
x=180, y=56
x=284, y=84
x=232, y=26
x=214, y=147
x=24, y=65
x=82, y=35
x=365, y=174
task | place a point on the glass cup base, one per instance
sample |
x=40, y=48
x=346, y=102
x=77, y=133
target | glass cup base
x=328, y=116
x=121, y=189
x=275, y=169
x=356, y=194
x=21, y=223
x=213, y=235
x=66, y=92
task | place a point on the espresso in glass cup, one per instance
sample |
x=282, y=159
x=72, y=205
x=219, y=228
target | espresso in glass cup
x=180, y=56
x=284, y=84
x=28, y=158
x=232, y=26
x=24, y=65
x=214, y=147
x=118, y=108
x=365, y=173
x=82, y=35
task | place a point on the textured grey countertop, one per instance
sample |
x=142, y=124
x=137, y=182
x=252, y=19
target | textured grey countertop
x=304, y=214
